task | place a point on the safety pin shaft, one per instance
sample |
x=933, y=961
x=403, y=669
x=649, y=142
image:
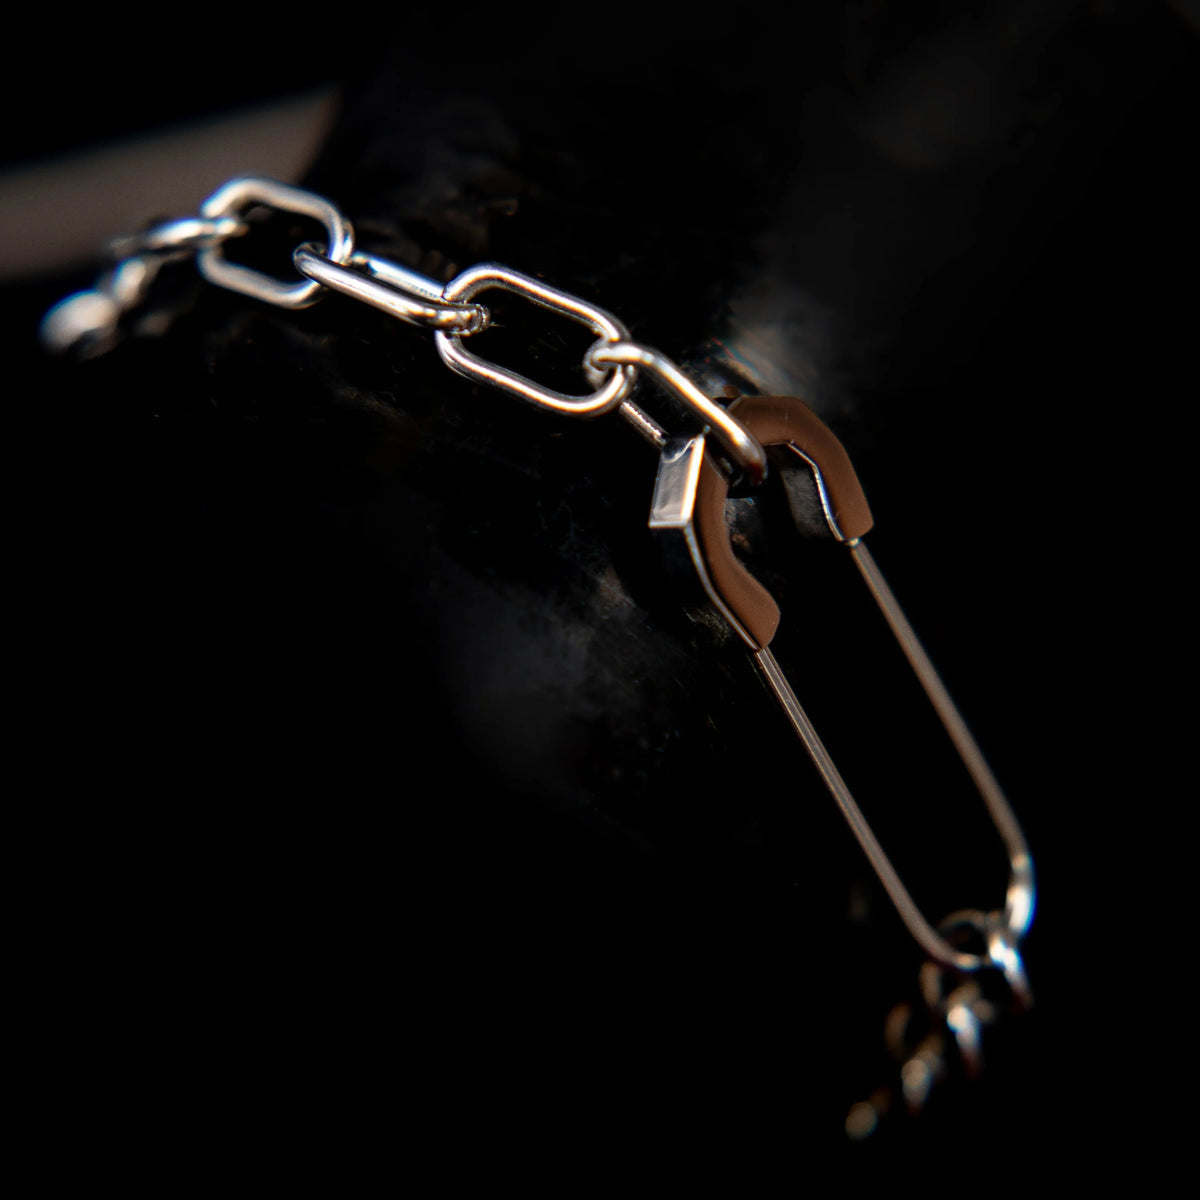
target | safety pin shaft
x=1019, y=904
x=937, y=947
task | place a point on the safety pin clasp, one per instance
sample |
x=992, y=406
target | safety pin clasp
x=689, y=507
x=688, y=513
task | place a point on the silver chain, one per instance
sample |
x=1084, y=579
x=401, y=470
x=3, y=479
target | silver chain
x=89, y=321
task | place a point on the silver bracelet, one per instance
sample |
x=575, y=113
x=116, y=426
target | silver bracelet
x=694, y=475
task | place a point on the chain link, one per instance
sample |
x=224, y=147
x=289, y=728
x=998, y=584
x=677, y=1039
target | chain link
x=178, y=237
x=614, y=384
x=240, y=194
x=377, y=282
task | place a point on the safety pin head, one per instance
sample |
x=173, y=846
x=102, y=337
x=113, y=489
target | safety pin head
x=688, y=511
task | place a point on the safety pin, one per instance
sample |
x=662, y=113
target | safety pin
x=688, y=510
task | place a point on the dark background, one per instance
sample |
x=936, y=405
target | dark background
x=384, y=797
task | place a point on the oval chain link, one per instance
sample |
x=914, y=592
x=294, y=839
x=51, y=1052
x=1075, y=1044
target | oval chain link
x=240, y=194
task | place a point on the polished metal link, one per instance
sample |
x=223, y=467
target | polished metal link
x=386, y=286
x=618, y=382
x=180, y=236
x=240, y=194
